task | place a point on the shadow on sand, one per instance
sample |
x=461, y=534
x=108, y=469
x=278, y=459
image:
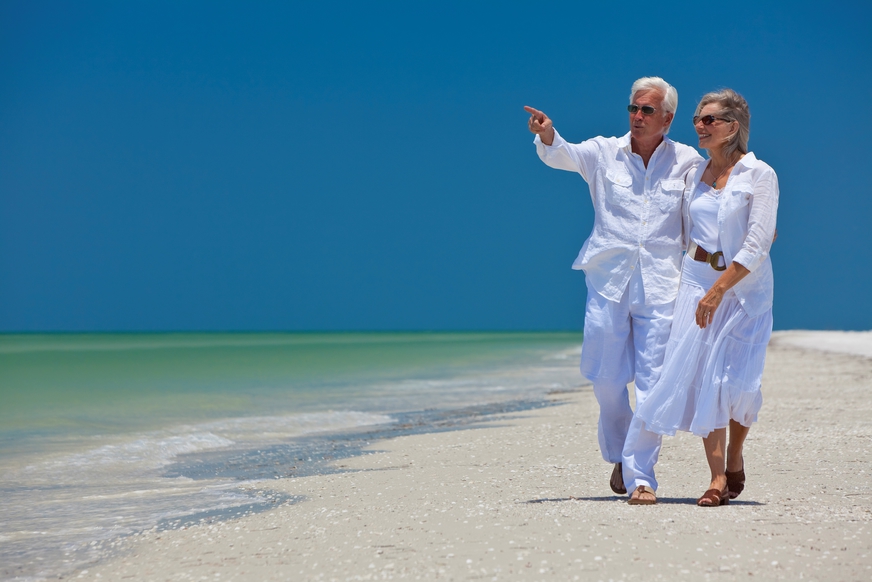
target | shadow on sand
x=622, y=499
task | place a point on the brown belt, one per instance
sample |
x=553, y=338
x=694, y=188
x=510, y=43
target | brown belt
x=697, y=253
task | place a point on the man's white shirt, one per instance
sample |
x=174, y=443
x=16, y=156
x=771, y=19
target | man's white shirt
x=637, y=222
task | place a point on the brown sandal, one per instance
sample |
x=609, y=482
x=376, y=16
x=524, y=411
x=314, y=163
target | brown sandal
x=618, y=479
x=714, y=498
x=638, y=501
x=735, y=482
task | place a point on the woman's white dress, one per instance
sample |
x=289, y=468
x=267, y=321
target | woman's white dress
x=710, y=375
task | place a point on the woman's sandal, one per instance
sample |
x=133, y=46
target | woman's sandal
x=735, y=482
x=714, y=498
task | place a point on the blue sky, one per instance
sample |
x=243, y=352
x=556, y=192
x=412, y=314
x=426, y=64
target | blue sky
x=367, y=166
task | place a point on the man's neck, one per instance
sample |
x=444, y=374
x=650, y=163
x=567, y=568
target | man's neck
x=645, y=149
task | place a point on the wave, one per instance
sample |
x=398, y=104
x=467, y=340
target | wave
x=63, y=506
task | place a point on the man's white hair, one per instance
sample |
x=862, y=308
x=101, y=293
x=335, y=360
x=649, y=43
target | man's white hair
x=670, y=95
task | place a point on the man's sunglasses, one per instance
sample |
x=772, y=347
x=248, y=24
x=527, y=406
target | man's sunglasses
x=646, y=109
x=708, y=119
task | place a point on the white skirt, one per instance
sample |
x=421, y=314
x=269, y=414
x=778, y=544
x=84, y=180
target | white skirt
x=710, y=375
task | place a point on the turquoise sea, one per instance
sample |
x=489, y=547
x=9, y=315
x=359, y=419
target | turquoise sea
x=107, y=435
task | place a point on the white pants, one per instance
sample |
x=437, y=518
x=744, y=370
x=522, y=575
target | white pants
x=641, y=450
x=623, y=341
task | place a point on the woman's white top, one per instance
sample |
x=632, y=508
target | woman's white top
x=704, y=212
x=747, y=207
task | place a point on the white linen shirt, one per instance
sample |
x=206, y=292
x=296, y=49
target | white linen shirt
x=746, y=226
x=637, y=211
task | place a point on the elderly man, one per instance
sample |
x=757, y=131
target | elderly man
x=631, y=259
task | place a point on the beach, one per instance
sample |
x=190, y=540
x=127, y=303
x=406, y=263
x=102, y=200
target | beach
x=104, y=436
x=524, y=495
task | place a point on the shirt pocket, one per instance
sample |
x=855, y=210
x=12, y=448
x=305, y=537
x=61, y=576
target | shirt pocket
x=740, y=195
x=670, y=194
x=618, y=187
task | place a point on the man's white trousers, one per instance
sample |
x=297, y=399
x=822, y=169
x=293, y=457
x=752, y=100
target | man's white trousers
x=623, y=341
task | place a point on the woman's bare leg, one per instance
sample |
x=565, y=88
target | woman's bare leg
x=715, y=444
x=735, y=460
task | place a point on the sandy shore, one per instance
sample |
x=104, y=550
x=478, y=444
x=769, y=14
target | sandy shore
x=526, y=497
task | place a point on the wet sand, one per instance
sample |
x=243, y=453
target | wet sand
x=525, y=496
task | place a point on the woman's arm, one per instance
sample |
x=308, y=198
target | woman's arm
x=705, y=310
x=759, y=237
x=760, y=233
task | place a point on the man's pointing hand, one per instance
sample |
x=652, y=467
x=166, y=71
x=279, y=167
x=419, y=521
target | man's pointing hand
x=540, y=124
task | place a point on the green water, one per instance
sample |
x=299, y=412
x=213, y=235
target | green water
x=63, y=384
x=89, y=422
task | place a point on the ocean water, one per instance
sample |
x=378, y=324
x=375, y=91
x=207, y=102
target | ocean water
x=103, y=436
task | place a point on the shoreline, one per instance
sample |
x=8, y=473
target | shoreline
x=524, y=494
x=247, y=472
x=206, y=423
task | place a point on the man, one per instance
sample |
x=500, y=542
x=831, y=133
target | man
x=631, y=259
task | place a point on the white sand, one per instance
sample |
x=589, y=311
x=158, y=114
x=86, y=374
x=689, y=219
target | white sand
x=527, y=498
x=846, y=342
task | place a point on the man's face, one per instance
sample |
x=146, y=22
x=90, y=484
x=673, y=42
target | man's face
x=648, y=127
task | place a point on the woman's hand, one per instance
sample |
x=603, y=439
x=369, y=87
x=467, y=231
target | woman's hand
x=705, y=309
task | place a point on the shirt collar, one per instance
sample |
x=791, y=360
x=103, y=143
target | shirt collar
x=624, y=142
x=748, y=160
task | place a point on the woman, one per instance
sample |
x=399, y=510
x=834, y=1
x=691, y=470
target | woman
x=723, y=314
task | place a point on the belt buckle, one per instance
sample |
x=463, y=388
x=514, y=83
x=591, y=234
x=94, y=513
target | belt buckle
x=714, y=259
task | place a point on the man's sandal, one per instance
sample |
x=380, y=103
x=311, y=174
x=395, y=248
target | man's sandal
x=641, y=489
x=616, y=482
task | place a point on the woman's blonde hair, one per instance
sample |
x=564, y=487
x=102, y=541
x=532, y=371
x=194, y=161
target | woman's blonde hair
x=735, y=108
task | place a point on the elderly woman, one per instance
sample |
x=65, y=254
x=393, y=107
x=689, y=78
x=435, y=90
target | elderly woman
x=723, y=314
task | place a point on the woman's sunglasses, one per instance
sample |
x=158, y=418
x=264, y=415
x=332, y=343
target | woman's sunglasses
x=646, y=109
x=707, y=119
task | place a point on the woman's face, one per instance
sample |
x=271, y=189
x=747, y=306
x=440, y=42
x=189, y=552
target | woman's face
x=714, y=135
